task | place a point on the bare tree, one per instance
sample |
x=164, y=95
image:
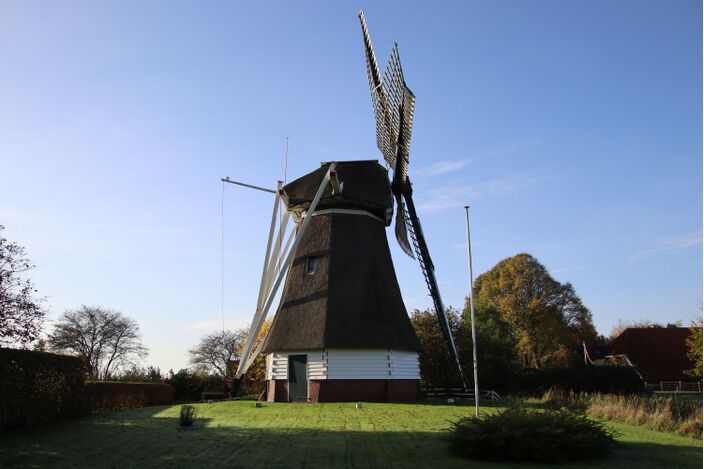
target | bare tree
x=21, y=313
x=216, y=350
x=622, y=325
x=107, y=339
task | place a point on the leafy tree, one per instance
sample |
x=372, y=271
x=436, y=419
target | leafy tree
x=694, y=348
x=21, y=312
x=215, y=352
x=437, y=369
x=496, y=351
x=137, y=374
x=547, y=319
x=108, y=340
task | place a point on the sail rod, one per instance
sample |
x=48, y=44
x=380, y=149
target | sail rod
x=227, y=179
x=247, y=356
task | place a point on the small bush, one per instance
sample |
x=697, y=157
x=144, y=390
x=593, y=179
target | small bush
x=110, y=396
x=530, y=435
x=189, y=413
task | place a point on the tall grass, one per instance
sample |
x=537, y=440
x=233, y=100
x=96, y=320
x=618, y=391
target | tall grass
x=654, y=412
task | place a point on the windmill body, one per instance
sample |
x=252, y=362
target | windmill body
x=342, y=331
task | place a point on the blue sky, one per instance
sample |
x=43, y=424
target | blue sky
x=573, y=129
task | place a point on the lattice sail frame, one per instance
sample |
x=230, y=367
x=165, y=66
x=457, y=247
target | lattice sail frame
x=390, y=97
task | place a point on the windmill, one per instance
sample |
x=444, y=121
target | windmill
x=341, y=331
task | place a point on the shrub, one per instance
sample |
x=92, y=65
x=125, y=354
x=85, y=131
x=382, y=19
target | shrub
x=189, y=413
x=110, y=396
x=37, y=387
x=530, y=435
x=189, y=385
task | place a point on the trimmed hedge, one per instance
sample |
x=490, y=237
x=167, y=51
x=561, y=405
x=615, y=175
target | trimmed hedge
x=589, y=379
x=111, y=396
x=37, y=387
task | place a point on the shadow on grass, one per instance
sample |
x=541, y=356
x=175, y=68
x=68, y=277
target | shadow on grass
x=143, y=438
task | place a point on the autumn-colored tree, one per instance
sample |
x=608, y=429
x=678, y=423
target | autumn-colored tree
x=694, y=348
x=253, y=380
x=547, y=319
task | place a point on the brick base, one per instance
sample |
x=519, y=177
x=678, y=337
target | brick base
x=375, y=390
x=350, y=390
x=277, y=390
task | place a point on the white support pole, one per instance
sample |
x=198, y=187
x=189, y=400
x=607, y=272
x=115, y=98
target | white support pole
x=247, y=356
x=275, y=269
x=277, y=253
x=268, y=245
x=471, y=309
x=265, y=269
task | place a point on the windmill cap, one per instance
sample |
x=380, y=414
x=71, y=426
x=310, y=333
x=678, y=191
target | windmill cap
x=366, y=187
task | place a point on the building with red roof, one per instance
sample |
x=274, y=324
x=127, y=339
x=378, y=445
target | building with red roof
x=657, y=353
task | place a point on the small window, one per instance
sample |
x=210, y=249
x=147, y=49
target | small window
x=311, y=261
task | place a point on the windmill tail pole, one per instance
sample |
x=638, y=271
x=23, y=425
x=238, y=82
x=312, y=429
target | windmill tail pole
x=471, y=310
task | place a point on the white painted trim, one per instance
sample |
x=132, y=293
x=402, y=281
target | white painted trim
x=348, y=211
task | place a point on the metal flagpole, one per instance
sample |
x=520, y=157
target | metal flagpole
x=471, y=309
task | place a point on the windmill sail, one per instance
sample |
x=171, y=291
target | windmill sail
x=394, y=105
x=400, y=183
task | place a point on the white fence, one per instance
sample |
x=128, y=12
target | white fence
x=675, y=386
x=458, y=393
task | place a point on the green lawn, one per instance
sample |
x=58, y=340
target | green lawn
x=237, y=434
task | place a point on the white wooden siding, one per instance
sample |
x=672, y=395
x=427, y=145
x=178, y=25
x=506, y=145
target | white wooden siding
x=348, y=364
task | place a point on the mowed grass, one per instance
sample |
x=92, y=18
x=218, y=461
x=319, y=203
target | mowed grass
x=237, y=434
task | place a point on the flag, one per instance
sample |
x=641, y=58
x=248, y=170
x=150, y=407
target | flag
x=587, y=358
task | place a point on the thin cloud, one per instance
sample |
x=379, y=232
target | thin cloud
x=670, y=243
x=216, y=325
x=447, y=197
x=450, y=166
x=565, y=269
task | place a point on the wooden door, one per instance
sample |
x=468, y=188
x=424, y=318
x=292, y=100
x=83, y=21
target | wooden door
x=297, y=378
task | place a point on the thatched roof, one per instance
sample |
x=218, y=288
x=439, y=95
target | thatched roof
x=365, y=186
x=353, y=299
